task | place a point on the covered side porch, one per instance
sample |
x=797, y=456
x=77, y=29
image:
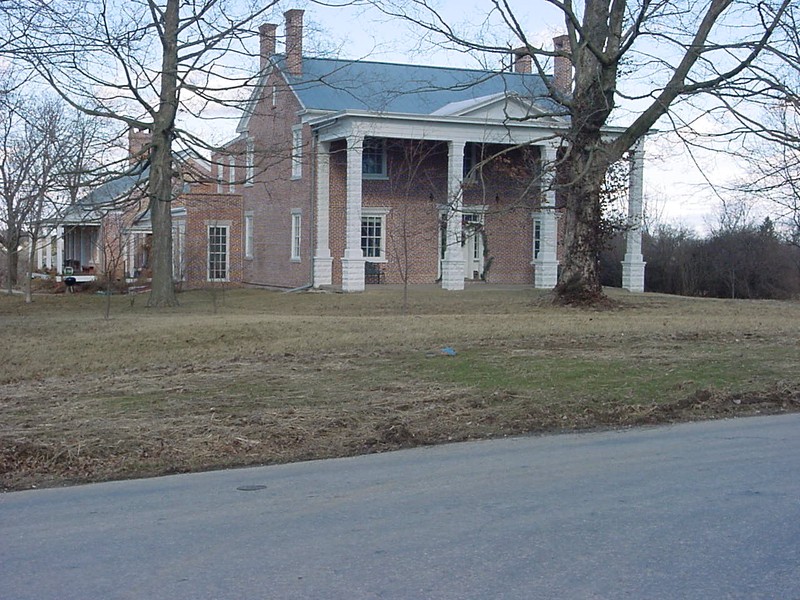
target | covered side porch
x=71, y=250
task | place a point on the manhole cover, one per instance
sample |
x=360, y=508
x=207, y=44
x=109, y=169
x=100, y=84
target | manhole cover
x=251, y=488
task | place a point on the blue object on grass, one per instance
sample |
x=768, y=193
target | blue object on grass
x=448, y=351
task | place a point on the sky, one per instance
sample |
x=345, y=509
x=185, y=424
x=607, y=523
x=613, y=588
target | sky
x=680, y=188
x=683, y=188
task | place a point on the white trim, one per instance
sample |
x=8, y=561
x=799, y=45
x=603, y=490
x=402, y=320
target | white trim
x=296, y=239
x=226, y=225
x=376, y=212
x=248, y=234
x=232, y=174
x=249, y=161
x=297, y=151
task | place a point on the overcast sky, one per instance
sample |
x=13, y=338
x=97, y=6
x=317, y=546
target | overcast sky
x=677, y=183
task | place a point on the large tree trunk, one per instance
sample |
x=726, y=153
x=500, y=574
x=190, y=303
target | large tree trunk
x=162, y=292
x=587, y=159
x=579, y=282
x=160, y=185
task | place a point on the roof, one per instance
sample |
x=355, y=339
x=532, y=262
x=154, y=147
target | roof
x=96, y=203
x=118, y=190
x=335, y=85
x=115, y=189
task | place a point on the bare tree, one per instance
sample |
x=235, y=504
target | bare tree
x=773, y=173
x=140, y=63
x=29, y=164
x=413, y=178
x=673, y=53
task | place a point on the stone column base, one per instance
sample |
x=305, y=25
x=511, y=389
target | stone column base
x=453, y=274
x=633, y=274
x=353, y=274
x=323, y=271
x=545, y=274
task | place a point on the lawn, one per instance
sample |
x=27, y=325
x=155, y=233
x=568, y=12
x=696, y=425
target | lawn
x=257, y=377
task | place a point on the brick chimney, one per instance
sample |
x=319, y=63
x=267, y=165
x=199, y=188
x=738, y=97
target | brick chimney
x=562, y=65
x=138, y=140
x=266, y=38
x=294, y=41
x=523, y=63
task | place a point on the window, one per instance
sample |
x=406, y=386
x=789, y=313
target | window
x=232, y=175
x=537, y=237
x=220, y=169
x=296, y=235
x=297, y=152
x=373, y=233
x=248, y=161
x=473, y=155
x=373, y=160
x=178, y=243
x=218, y=253
x=248, y=236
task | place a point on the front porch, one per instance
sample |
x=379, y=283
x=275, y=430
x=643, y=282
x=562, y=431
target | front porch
x=351, y=160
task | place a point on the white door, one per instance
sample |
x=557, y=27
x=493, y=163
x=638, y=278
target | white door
x=472, y=244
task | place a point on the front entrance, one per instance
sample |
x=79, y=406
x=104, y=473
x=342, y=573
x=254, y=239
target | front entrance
x=471, y=243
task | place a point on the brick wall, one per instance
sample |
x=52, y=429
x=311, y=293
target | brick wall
x=274, y=194
x=203, y=210
x=414, y=193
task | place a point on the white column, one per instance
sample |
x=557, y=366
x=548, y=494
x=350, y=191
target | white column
x=40, y=261
x=60, y=250
x=633, y=262
x=353, y=260
x=129, y=253
x=453, y=262
x=48, y=252
x=545, y=274
x=323, y=262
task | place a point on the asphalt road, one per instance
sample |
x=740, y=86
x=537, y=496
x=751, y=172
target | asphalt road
x=705, y=510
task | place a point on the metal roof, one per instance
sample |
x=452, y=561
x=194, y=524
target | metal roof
x=335, y=85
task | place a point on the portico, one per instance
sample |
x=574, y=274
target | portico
x=487, y=123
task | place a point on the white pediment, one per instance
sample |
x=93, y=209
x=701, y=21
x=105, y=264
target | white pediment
x=497, y=107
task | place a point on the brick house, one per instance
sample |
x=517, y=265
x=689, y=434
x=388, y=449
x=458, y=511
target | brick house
x=109, y=228
x=354, y=172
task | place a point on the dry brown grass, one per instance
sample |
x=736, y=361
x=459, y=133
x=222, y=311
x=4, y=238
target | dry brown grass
x=273, y=377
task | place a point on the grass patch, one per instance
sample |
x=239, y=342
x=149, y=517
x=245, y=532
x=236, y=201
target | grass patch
x=272, y=377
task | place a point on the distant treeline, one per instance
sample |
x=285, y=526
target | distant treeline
x=753, y=261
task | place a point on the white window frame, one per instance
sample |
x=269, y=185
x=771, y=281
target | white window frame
x=472, y=159
x=249, y=156
x=220, y=176
x=178, y=246
x=227, y=268
x=232, y=174
x=297, y=235
x=297, y=152
x=375, y=147
x=537, y=237
x=380, y=214
x=248, y=235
